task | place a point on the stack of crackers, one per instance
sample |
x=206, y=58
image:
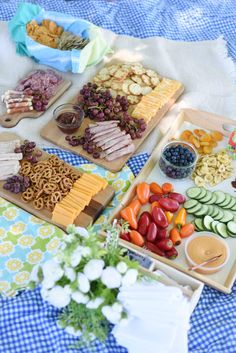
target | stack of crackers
x=151, y=103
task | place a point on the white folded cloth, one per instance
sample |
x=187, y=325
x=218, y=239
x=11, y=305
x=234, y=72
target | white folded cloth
x=158, y=319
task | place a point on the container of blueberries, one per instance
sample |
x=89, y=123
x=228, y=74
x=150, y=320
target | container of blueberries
x=178, y=159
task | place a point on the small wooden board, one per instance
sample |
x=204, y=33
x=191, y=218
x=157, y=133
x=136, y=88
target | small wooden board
x=87, y=217
x=188, y=118
x=11, y=120
x=53, y=134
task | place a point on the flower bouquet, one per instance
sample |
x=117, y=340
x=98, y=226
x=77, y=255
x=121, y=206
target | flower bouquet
x=83, y=280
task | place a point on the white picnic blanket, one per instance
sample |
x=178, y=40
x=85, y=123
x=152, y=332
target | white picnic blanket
x=204, y=68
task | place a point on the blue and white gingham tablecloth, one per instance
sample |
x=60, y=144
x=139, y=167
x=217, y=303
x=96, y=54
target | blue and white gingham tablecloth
x=27, y=324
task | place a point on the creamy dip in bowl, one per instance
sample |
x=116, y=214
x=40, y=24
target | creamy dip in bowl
x=203, y=246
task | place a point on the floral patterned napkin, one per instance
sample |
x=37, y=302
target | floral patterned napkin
x=26, y=241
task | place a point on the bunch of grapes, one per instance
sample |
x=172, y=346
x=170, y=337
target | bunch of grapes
x=17, y=184
x=28, y=151
x=99, y=105
x=86, y=143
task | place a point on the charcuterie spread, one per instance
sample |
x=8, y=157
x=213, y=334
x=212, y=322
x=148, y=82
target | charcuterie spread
x=122, y=104
x=47, y=183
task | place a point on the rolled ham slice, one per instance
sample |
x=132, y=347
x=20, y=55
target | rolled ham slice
x=100, y=128
x=123, y=151
x=18, y=105
x=122, y=140
x=101, y=140
x=101, y=133
x=19, y=100
x=19, y=110
x=117, y=147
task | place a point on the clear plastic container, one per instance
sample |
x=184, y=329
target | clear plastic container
x=198, y=249
x=68, y=117
x=174, y=171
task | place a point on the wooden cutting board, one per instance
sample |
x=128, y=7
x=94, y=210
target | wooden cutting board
x=53, y=134
x=10, y=120
x=87, y=217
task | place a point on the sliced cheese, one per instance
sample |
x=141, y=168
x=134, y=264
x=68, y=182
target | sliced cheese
x=62, y=219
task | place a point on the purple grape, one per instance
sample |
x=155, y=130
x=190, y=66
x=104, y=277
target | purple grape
x=34, y=159
x=96, y=155
x=38, y=153
x=7, y=186
x=143, y=127
x=29, y=158
x=67, y=138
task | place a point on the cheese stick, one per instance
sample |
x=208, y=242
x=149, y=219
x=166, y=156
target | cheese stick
x=9, y=146
x=10, y=157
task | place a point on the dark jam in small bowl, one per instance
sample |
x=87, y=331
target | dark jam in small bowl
x=68, y=117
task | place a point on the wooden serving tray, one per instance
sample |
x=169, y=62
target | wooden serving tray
x=87, y=217
x=187, y=119
x=53, y=134
x=10, y=120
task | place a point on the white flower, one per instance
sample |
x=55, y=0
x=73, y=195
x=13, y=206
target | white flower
x=48, y=283
x=117, y=307
x=59, y=297
x=111, y=277
x=70, y=273
x=122, y=267
x=86, y=251
x=130, y=277
x=83, y=283
x=82, y=232
x=34, y=274
x=79, y=297
x=51, y=269
x=72, y=331
x=75, y=258
x=95, y=303
x=124, y=322
x=93, y=269
x=111, y=315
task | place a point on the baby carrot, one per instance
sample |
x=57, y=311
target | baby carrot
x=175, y=236
x=167, y=188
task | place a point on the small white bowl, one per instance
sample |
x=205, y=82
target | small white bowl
x=205, y=269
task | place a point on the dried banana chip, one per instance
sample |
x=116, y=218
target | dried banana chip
x=208, y=178
x=199, y=181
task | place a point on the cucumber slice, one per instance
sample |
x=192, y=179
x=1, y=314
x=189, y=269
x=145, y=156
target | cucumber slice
x=210, y=210
x=213, y=226
x=203, y=194
x=202, y=212
x=190, y=204
x=234, y=217
x=220, y=196
x=228, y=216
x=206, y=198
x=221, y=229
x=212, y=200
x=231, y=204
x=216, y=211
x=194, y=192
x=231, y=226
x=234, y=207
x=199, y=224
x=219, y=216
x=194, y=209
x=226, y=201
x=231, y=234
x=207, y=221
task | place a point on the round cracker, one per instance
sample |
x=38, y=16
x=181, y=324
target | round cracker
x=125, y=87
x=151, y=73
x=146, y=80
x=132, y=99
x=137, y=79
x=146, y=90
x=104, y=71
x=155, y=81
x=135, y=89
